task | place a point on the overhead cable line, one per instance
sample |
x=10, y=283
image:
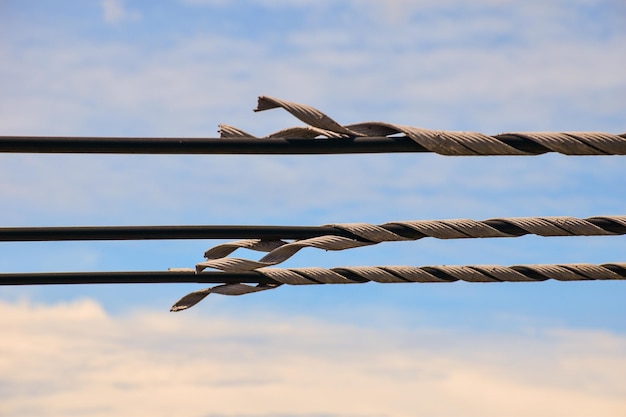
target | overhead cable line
x=407, y=230
x=63, y=233
x=323, y=135
x=130, y=277
x=216, y=146
x=405, y=274
x=365, y=234
x=340, y=275
x=235, y=283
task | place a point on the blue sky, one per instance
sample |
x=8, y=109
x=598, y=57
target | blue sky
x=179, y=68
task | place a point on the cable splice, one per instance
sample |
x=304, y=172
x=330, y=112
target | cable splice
x=323, y=135
x=612, y=224
x=443, y=142
x=364, y=234
x=236, y=283
x=405, y=274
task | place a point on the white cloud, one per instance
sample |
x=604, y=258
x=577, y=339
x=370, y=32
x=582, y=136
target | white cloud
x=115, y=11
x=76, y=359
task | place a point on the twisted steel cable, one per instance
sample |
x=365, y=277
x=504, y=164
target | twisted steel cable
x=364, y=234
x=405, y=274
x=323, y=135
x=66, y=233
x=440, y=141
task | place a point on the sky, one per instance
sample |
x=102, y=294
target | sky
x=178, y=69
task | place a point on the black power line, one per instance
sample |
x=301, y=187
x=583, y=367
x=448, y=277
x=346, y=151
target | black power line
x=131, y=277
x=25, y=234
x=253, y=146
x=32, y=234
x=251, y=277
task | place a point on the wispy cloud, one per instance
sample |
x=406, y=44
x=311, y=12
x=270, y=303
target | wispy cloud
x=493, y=68
x=76, y=359
x=115, y=11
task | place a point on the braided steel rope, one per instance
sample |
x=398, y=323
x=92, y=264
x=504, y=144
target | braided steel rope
x=405, y=274
x=364, y=234
x=443, y=142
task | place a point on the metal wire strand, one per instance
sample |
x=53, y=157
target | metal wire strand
x=454, y=142
x=423, y=274
x=236, y=283
x=364, y=234
x=323, y=135
x=505, y=226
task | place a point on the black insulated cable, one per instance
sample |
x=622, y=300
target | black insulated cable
x=232, y=146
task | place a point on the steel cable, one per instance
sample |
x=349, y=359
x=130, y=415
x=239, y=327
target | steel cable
x=452, y=143
x=364, y=234
x=406, y=274
x=323, y=135
x=237, y=283
x=611, y=224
